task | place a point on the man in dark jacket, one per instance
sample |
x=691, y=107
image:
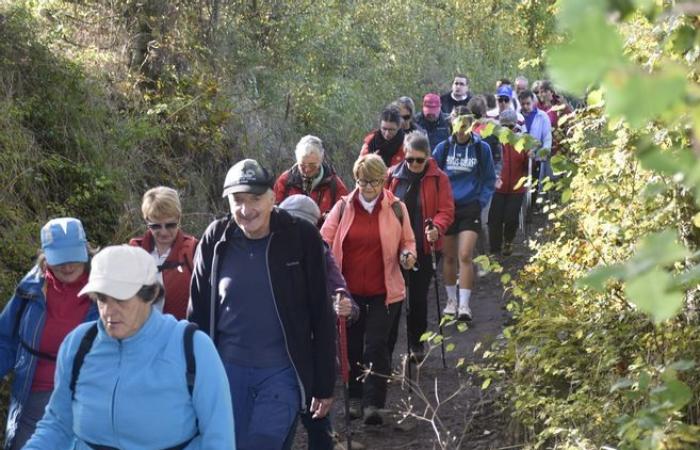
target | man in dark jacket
x=433, y=120
x=459, y=95
x=259, y=291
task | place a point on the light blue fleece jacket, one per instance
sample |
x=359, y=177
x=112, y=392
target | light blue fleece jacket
x=132, y=393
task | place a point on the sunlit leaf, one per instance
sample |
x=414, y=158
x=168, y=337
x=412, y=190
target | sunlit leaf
x=594, y=47
x=628, y=94
x=674, y=392
x=649, y=293
x=599, y=276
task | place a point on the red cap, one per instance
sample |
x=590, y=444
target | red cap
x=431, y=104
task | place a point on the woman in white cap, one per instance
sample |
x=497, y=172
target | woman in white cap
x=45, y=307
x=136, y=378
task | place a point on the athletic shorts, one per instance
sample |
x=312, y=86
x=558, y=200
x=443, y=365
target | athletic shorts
x=467, y=217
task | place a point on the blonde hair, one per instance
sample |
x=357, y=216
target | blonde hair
x=371, y=166
x=161, y=202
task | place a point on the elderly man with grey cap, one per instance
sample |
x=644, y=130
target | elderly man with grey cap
x=136, y=378
x=259, y=290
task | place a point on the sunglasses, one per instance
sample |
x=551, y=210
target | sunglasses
x=503, y=99
x=373, y=183
x=406, y=117
x=415, y=160
x=160, y=226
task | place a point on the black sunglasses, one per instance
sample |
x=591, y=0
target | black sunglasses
x=415, y=160
x=503, y=99
x=406, y=117
x=160, y=226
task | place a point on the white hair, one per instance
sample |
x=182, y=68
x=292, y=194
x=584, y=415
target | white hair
x=307, y=145
x=521, y=78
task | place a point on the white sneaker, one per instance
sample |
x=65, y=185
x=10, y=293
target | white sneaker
x=451, y=307
x=465, y=313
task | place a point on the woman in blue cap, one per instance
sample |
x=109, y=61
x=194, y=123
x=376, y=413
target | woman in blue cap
x=45, y=307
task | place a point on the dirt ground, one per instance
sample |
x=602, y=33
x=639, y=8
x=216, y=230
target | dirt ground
x=470, y=415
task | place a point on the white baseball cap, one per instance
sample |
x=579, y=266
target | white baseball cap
x=120, y=271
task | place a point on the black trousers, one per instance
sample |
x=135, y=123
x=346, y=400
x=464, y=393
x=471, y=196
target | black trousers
x=418, y=288
x=368, y=344
x=503, y=219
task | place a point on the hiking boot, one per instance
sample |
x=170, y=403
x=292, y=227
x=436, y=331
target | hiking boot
x=465, y=314
x=355, y=408
x=371, y=416
x=418, y=352
x=451, y=307
x=507, y=249
x=340, y=442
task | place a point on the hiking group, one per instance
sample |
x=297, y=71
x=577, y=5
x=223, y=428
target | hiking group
x=228, y=341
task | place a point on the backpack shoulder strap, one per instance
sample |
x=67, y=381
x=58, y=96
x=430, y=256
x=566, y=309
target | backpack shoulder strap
x=342, y=209
x=334, y=188
x=83, y=349
x=398, y=211
x=188, y=345
x=443, y=157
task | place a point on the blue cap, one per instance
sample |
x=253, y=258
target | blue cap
x=63, y=240
x=504, y=91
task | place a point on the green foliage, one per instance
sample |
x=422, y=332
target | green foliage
x=606, y=324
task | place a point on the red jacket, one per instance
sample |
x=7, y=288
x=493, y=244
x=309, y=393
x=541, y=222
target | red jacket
x=555, y=112
x=435, y=197
x=177, y=273
x=395, y=159
x=514, y=168
x=396, y=237
x=325, y=194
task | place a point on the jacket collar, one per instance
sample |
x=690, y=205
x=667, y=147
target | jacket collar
x=148, y=243
x=295, y=177
x=279, y=220
x=401, y=171
x=144, y=335
x=32, y=285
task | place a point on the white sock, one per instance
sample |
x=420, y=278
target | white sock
x=451, y=291
x=464, y=295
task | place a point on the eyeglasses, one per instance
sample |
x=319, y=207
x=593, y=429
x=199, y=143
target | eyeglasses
x=160, y=226
x=406, y=117
x=309, y=165
x=373, y=183
x=503, y=99
x=415, y=160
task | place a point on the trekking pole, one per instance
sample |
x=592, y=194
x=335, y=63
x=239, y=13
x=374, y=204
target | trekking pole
x=408, y=342
x=528, y=196
x=344, y=371
x=430, y=224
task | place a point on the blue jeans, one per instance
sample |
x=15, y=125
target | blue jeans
x=266, y=404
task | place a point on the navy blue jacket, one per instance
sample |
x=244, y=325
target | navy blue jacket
x=437, y=131
x=15, y=357
x=297, y=274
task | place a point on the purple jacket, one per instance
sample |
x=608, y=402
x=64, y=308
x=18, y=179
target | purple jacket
x=336, y=282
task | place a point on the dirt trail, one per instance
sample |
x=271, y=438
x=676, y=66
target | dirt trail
x=470, y=415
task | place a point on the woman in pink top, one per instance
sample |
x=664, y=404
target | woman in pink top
x=370, y=234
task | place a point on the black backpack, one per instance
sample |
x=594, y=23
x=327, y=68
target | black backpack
x=89, y=338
